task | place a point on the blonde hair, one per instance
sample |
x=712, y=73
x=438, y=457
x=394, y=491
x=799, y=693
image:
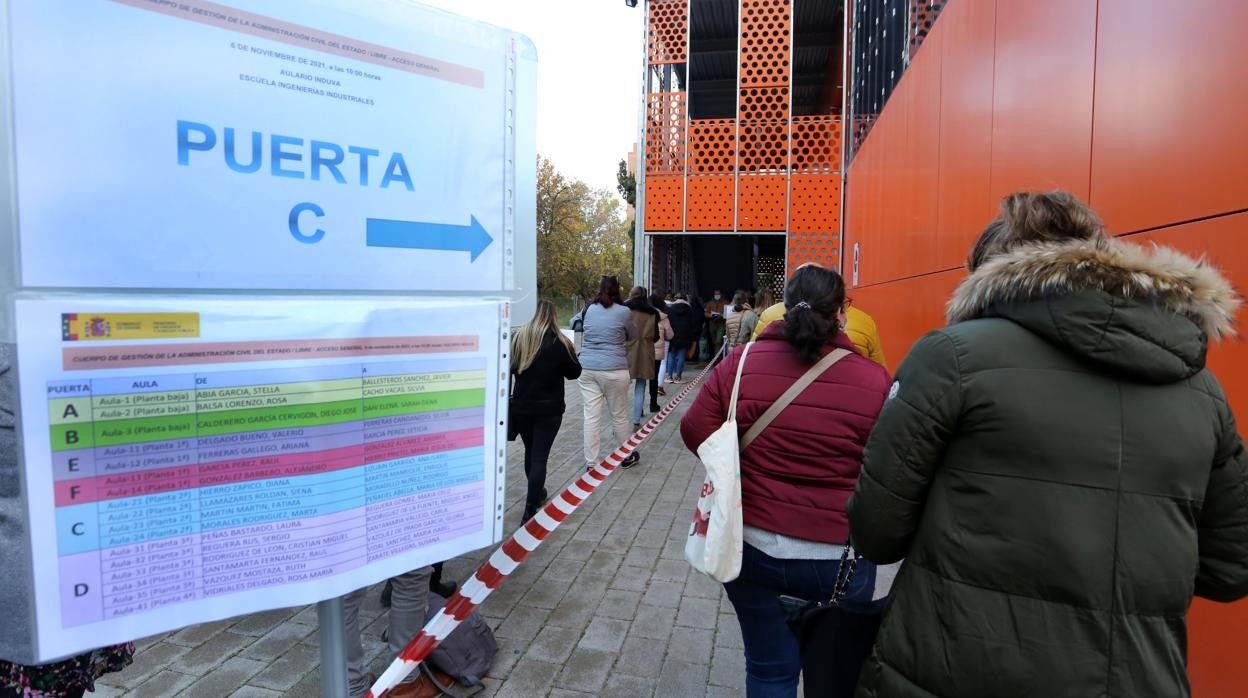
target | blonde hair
x=526, y=343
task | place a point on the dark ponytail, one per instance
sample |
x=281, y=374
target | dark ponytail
x=812, y=297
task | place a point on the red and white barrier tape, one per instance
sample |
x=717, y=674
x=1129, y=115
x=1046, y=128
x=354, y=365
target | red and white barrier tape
x=509, y=556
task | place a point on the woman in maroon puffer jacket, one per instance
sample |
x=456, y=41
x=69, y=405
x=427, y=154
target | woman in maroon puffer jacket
x=797, y=476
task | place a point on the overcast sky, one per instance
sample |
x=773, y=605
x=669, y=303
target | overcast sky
x=589, y=76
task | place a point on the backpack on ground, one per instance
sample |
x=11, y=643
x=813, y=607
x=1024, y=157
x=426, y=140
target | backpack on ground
x=457, y=665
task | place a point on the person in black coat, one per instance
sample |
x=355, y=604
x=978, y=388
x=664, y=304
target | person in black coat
x=541, y=359
x=700, y=325
x=685, y=325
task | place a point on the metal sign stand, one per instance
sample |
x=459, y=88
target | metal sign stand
x=333, y=648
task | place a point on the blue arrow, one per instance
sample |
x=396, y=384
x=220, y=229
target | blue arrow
x=471, y=238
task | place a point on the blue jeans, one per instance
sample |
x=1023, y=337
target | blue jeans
x=639, y=397
x=676, y=361
x=773, y=657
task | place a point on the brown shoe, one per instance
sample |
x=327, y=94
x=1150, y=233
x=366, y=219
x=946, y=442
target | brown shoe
x=422, y=687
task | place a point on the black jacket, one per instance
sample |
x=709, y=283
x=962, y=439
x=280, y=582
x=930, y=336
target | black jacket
x=684, y=327
x=539, y=389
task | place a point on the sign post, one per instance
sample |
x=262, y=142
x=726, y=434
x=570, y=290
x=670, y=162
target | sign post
x=264, y=259
x=333, y=648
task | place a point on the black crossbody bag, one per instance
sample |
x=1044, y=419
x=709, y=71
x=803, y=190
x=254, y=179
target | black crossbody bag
x=834, y=642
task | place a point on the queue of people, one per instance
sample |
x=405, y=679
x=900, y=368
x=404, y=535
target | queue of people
x=1055, y=474
x=1027, y=508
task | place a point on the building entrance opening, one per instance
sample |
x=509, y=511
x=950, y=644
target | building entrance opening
x=702, y=264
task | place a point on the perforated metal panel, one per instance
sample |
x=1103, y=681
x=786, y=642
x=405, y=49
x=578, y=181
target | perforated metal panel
x=712, y=146
x=816, y=144
x=763, y=135
x=669, y=31
x=771, y=276
x=665, y=133
x=923, y=14
x=761, y=202
x=711, y=201
x=819, y=248
x=815, y=203
x=665, y=203
x=764, y=104
x=765, y=42
x=764, y=147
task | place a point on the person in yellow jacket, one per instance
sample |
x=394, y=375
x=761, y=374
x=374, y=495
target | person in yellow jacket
x=860, y=328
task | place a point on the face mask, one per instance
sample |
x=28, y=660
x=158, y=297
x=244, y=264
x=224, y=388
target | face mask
x=718, y=297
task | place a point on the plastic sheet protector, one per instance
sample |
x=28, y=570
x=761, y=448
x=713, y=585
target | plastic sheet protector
x=190, y=459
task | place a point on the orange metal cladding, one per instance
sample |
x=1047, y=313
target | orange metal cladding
x=906, y=310
x=669, y=29
x=761, y=203
x=814, y=220
x=1216, y=637
x=964, y=204
x=712, y=188
x=665, y=162
x=816, y=142
x=763, y=134
x=710, y=203
x=1166, y=148
x=877, y=206
x=1042, y=95
x=763, y=113
x=765, y=40
x=712, y=146
x=665, y=203
x=1169, y=139
x=815, y=203
x=665, y=133
x=894, y=182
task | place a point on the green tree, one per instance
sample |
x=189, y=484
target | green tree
x=626, y=183
x=582, y=233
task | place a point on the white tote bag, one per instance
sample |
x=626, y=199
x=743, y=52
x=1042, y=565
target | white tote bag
x=715, y=537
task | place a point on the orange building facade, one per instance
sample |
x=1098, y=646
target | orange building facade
x=742, y=157
x=1136, y=106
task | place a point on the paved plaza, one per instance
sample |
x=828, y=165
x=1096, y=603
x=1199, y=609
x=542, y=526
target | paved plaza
x=606, y=607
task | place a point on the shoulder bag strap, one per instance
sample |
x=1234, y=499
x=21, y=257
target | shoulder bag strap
x=736, y=386
x=794, y=390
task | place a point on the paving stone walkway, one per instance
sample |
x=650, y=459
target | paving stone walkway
x=606, y=607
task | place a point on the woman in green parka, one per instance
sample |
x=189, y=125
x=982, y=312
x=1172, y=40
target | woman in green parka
x=1059, y=469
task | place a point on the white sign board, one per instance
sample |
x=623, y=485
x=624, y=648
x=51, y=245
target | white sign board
x=270, y=144
x=200, y=436
x=188, y=459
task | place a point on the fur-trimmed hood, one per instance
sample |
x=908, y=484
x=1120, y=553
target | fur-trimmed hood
x=1114, y=302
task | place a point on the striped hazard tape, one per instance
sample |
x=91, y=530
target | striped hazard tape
x=506, y=558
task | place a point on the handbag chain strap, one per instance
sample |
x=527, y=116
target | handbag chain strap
x=844, y=574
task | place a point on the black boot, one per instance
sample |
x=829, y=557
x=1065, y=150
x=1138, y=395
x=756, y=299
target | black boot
x=436, y=585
